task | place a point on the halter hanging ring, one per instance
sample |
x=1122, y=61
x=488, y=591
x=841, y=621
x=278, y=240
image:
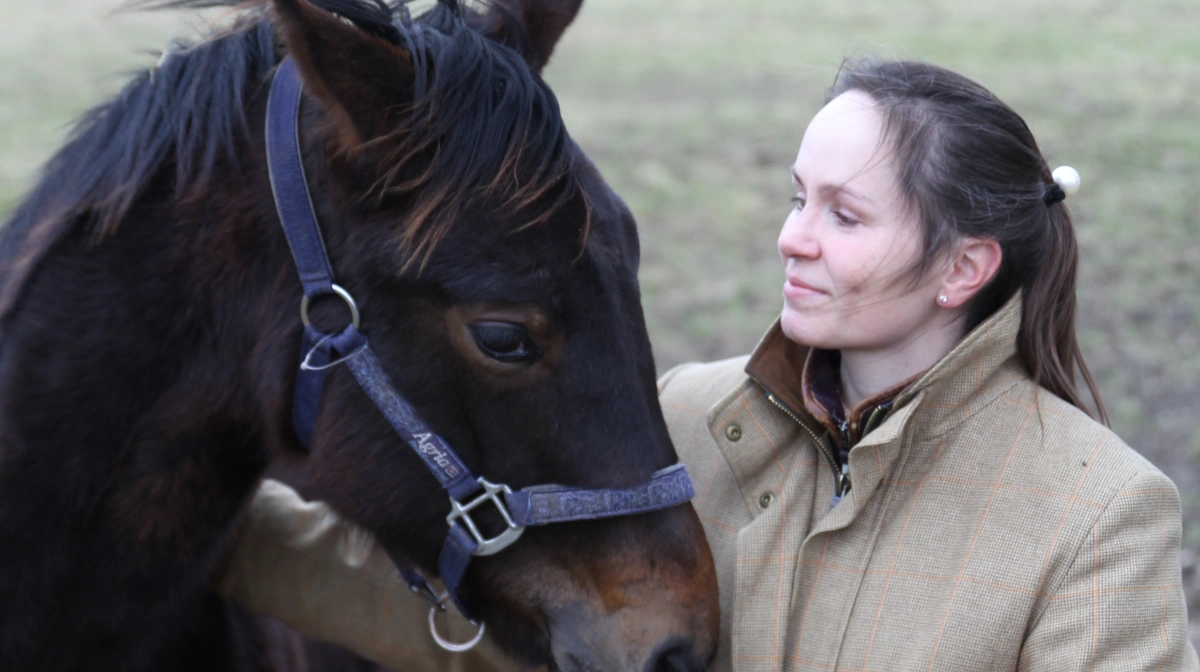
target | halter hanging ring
x=451, y=646
x=344, y=295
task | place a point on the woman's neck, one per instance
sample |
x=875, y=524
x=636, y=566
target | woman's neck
x=866, y=373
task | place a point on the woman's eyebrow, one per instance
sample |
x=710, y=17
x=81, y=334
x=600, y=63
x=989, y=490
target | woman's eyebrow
x=829, y=189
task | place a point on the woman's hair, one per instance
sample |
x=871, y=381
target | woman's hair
x=969, y=166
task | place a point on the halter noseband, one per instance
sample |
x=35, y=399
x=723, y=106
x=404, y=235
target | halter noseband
x=537, y=505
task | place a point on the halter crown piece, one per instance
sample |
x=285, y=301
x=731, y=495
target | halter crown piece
x=536, y=505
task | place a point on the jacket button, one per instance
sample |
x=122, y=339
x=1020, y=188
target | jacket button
x=733, y=432
x=766, y=499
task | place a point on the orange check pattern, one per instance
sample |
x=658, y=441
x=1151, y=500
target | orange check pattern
x=991, y=526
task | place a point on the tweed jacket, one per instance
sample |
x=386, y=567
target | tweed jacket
x=990, y=526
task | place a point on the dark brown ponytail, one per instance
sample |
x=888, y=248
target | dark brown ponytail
x=1046, y=343
x=969, y=166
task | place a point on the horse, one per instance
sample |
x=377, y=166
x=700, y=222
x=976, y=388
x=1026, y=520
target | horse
x=149, y=342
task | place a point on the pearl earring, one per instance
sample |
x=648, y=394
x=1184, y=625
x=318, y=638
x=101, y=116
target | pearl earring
x=942, y=298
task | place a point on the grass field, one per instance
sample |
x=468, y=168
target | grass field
x=694, y=110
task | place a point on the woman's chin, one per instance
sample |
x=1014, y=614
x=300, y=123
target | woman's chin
x=802, y=328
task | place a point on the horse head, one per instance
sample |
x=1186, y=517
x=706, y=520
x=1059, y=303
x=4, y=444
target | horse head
x=149, y=343
x=496, y=274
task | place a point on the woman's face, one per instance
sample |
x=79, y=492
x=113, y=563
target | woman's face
x=849, y=242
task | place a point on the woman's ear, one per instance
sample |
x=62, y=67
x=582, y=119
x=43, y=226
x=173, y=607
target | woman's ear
x=359, y=77
x=976, y=261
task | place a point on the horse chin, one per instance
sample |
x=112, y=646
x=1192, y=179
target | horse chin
x=654, y=635
x=596, y=597
x=582, y=641
x=648, y=638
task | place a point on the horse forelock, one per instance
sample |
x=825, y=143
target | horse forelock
x=484, y=133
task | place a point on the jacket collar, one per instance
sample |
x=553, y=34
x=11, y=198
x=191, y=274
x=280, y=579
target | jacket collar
x=822, y=398
x=777, y=364
x=972, y=374
x=782, y=366
x=971, y=371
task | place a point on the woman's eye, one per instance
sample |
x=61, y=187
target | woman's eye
x=843, y=219
x=505, y=342
x=799, y=202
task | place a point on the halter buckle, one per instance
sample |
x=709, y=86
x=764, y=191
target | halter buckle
x=491, y=493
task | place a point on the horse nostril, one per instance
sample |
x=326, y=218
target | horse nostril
x=676, y=655
x=676, y=662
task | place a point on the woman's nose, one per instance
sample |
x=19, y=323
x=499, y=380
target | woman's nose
x=797, y=239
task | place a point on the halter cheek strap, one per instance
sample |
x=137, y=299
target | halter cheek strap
x=537, y=505
x=294, y=205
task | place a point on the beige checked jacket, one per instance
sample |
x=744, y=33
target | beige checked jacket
x=991, y=526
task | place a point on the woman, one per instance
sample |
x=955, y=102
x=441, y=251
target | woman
x=904, y=474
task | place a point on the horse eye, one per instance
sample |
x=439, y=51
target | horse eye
x=505, y=342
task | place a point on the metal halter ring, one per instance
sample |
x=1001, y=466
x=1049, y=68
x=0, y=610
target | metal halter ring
x=451, y=646
x=344, y=295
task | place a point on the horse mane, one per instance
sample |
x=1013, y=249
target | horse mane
x=481, y=119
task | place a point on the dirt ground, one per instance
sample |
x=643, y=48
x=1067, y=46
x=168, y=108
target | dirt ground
x=694, y=109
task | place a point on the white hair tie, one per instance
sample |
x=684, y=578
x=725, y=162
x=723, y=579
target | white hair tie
x=1066, y=183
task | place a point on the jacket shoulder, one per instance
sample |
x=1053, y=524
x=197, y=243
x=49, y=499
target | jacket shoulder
x=1064, y=427
x=696, y=386
x=1117, y=553
x=1042, y=442
x=1060, y=469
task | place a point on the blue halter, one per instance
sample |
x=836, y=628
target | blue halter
x=537, y=505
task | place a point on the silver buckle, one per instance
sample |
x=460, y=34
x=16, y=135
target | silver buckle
x=491, y=493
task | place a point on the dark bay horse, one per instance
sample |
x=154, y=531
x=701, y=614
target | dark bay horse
x=149, y=341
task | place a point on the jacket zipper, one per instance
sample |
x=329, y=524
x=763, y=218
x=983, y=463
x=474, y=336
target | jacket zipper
x=871, y=420
x=841, y=475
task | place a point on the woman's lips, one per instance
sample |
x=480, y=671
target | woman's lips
x=794, y=288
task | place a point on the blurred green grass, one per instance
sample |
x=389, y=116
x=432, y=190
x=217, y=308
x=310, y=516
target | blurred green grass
x=694, y=109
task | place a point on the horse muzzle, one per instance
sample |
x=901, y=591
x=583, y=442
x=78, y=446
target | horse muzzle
x=657, y=637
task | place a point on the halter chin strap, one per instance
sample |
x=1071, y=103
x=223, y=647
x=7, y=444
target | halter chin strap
x=537, y=505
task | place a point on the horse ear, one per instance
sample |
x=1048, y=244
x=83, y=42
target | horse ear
x=542, y=23
x=358, y=76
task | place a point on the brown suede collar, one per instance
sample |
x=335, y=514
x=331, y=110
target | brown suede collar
x=778, y=364
x=788, y=371
x=821, y=387
x=806, y=380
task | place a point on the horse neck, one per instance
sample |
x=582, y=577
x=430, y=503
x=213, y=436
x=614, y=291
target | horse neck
x=128, y=408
